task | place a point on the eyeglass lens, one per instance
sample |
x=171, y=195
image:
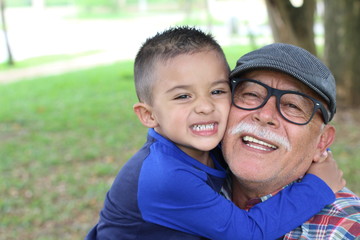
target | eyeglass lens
x=294, y=107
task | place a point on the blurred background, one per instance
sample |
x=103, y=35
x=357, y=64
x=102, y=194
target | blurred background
x=66, y=92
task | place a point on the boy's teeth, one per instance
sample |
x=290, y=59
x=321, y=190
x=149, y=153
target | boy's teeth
x=203, y=127
x=254, y=140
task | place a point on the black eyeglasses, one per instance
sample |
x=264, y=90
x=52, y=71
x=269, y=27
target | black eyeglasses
x=295, y=107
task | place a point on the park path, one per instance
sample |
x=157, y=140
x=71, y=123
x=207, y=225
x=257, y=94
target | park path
x=60, y=67
x=115, y=40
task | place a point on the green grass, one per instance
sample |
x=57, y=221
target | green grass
x=64, y=138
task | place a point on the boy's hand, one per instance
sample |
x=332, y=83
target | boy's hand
x=329, y=172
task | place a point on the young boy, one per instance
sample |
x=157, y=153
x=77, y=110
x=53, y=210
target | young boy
x=170, y=188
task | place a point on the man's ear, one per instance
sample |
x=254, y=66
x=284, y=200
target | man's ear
x=145, y=115
x=326, y=139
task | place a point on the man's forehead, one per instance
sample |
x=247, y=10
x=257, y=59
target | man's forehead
x=291, y=83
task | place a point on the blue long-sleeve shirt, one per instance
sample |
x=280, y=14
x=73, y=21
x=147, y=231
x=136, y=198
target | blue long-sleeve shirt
x=162, y=193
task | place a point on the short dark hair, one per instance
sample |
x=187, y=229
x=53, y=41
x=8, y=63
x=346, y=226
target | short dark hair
x=167, y=45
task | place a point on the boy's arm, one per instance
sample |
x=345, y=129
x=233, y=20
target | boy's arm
x=199, y=211
x=191, y=206
x=299, y=202
x=327, y=169
x=291, y=207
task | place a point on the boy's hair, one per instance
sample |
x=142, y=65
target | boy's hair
x=167, y=45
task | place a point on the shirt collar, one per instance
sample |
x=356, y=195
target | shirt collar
x=252, y=202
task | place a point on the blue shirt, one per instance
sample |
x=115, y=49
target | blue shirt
x=162, y=193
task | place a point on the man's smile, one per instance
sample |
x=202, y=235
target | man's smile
x=258, y=144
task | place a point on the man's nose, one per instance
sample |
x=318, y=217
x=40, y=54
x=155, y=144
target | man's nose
x=268, y=114
x=204, y=105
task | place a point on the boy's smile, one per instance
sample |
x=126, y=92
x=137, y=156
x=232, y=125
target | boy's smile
x=205, y=129
x=191, y=101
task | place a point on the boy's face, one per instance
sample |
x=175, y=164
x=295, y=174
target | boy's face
x=191, y=101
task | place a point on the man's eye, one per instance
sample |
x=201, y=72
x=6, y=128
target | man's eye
x=291, y=105
x=250, y=95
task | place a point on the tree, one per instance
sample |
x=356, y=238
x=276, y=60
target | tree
x=293, y=24
x=2, y=9
x=342, y=47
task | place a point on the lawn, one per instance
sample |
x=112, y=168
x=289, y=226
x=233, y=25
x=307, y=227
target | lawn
x=64, y=138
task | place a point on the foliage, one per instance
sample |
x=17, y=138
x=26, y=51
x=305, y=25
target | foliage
x=84, y=3
x=18, y=3
x=96, y=3
x=58, y=2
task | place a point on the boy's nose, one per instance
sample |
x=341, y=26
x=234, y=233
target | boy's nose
x=204, y=105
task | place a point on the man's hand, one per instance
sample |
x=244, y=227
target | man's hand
x=328, y=171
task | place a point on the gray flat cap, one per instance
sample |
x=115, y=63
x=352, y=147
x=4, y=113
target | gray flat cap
x=296, y=62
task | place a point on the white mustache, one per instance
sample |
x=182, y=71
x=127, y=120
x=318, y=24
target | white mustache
x=264, y=133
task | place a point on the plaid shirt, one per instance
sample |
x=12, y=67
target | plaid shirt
x=337, y=221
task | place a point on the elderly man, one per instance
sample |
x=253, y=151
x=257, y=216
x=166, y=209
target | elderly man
x=283, y=98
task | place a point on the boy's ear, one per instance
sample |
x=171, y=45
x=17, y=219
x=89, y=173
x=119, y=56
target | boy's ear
x=326, y=139
x=145, y=115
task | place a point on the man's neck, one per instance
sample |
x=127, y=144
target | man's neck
x=246, y=194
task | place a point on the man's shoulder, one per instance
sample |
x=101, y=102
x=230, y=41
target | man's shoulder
x=346, y=204
x=339, y=220
x=346, y=193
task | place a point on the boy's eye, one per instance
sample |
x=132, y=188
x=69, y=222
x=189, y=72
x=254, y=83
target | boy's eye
x=183, y=96
x=218, y=92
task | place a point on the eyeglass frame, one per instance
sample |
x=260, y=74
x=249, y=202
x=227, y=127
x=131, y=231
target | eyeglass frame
x=278, y=94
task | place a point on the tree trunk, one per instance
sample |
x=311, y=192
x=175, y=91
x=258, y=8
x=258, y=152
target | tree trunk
x=2, y=9
x=342, y=48
x=293, y=25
